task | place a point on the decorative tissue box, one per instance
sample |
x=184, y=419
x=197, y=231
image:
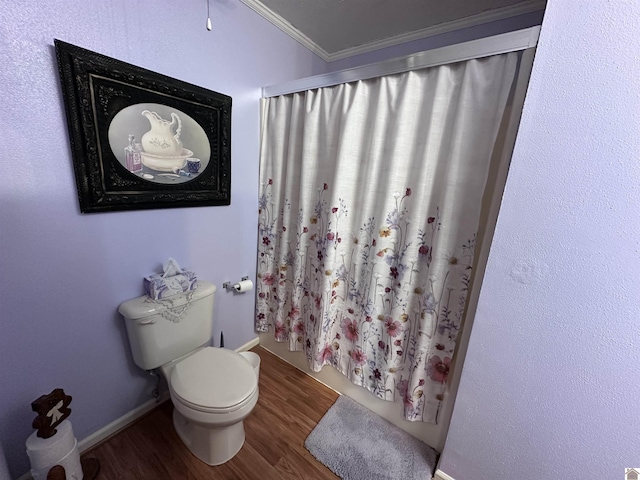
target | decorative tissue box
x=173, y=281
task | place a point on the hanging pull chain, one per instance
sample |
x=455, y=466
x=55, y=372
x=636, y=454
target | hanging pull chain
x=208, y=16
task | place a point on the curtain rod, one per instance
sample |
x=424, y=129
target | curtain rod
x=483, y=47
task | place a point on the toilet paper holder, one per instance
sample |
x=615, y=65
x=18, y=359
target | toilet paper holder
x=233, y=287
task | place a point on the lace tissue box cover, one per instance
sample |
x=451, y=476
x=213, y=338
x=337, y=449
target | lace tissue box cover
x=172, y=281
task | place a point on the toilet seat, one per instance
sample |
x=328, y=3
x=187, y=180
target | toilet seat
x=203, y=409
x=214, y=380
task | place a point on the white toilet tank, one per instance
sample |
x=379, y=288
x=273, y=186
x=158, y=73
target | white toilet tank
x=163, y=330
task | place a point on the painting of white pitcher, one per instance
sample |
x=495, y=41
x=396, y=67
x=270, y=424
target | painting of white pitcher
x=149, y=139
x=162, y=147
x=141, y=140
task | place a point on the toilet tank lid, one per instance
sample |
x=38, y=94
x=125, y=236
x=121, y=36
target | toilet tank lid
x=142, y=307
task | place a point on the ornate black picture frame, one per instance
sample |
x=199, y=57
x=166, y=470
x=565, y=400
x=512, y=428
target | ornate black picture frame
x=142, y=140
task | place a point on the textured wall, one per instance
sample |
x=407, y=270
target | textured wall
x=551, y=382
x=63, y=274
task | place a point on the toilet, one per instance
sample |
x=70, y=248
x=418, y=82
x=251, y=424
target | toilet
x=212, y=389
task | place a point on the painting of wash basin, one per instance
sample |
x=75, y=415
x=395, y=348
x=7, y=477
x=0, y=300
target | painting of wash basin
x=166, y=163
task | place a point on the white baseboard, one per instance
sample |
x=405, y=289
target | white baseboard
x=440, y=475
x=130, y=417
x=120, y=423
x=249, y=345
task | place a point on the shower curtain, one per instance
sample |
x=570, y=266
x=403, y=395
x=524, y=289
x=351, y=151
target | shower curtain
x=369, y=205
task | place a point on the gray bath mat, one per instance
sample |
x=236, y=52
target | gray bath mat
x=356, y=444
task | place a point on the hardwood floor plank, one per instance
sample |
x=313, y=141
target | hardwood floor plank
x=262, y=426
x=259, y=467
x=289, y=406
x=311, y=408
x=296, y=466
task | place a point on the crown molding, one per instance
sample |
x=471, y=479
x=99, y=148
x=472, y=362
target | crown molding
x=528, y=6
x=287, y=28
x=470, y=21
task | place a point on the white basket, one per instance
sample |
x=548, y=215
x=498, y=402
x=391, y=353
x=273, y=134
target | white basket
x=254, y=360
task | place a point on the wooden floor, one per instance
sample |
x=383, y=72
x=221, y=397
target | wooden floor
x=290, y=404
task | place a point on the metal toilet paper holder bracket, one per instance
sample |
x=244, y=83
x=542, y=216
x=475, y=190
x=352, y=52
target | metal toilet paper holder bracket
x=229, y=287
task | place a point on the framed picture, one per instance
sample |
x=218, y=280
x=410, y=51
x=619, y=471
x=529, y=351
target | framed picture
x=140, y=139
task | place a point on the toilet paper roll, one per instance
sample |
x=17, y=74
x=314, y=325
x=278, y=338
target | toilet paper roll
x=61, y=449
x=45, y=452
x=70, y=462
x=243, y=286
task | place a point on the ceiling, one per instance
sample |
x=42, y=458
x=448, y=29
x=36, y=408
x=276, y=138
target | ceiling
x=335, y=29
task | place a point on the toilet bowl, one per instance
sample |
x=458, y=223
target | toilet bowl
x=213, y=390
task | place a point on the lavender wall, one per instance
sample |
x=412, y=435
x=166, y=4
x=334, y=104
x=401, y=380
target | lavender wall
x=63, y=274
x=551, y=383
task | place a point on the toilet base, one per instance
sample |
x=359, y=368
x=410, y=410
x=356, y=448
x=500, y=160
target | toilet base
x=214, y=446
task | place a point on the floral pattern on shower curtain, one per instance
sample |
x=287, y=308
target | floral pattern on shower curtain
x=368, y=212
